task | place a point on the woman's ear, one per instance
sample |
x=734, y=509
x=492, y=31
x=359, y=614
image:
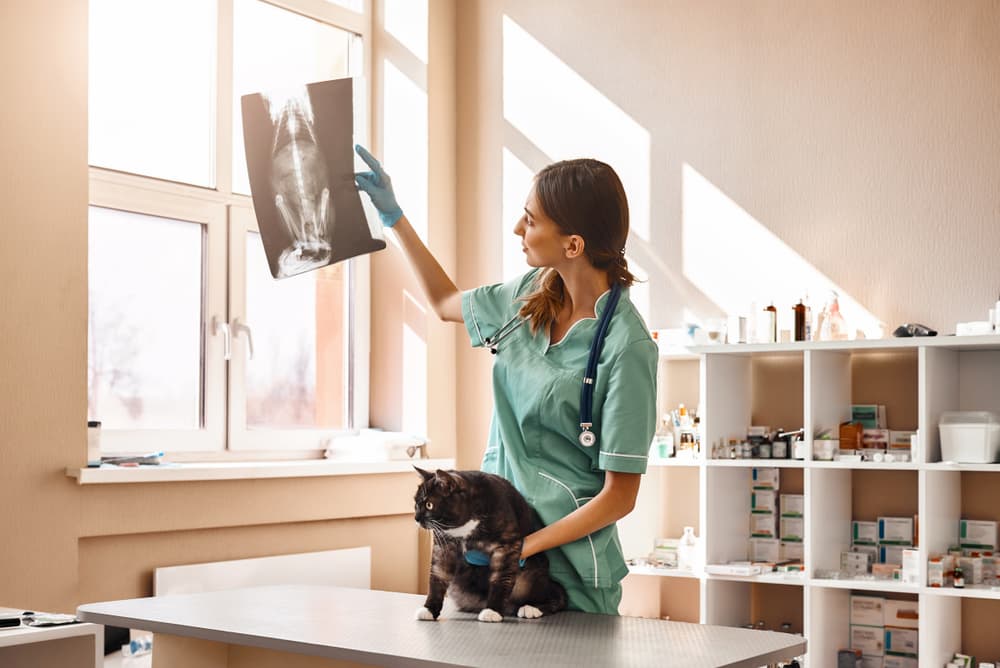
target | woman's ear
x=574, y=246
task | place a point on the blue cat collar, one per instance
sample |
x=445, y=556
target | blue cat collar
x=480, y=558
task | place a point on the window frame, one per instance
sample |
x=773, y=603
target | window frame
x=226, y=217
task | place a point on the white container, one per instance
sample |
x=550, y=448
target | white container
x=970, y=437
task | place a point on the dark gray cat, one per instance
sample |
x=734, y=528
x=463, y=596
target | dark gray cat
x=480, y=517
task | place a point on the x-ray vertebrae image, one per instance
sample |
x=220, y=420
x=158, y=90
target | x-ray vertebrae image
x=300, y=158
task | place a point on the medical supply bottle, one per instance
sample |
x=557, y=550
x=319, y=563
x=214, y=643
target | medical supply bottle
x=770, y=324
x=800, y=321
x=687, y=550
x=838, y=326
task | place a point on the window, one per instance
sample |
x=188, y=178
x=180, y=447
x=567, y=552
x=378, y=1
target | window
x=193, y=347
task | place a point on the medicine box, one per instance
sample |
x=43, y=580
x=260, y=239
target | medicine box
x=940, y=571
x=972, y=569
x=901, y=641
x=871, y=662
x=792, y=551
x=870, y=550
x=792, y=505
x=901, y=614
x=765, y=549
x=896, y=530
x=792, y=528
x=871, y=416
x=869, y=639
x=763, y=525
x=892, y=554
x=895, y=661
x=901, y=440
x=981, y=534
x=910, y=572
x=864, y=533
x=764, y=478
x=971, y=437
x=867, y=610
x=877, y=439
x=854, y=563
x=763, y=500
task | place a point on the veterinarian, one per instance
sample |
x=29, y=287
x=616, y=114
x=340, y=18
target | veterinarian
x=579, y=478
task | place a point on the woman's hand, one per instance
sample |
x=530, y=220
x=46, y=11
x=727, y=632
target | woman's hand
x=378, y=185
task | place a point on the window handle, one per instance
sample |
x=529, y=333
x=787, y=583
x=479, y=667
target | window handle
x=220, y=327
x=238, y=328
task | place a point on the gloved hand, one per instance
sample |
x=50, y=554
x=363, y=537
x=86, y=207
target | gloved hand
x=378, y=185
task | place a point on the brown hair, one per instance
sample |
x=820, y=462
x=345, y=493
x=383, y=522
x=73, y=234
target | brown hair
x=583, y=197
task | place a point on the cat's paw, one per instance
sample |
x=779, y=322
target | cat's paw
x=529, y=612
x=424, y=614
x=487, y=615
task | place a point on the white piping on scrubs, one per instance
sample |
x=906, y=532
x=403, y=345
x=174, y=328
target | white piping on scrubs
x=576, y=502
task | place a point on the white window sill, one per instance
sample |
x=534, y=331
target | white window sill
x=179, y=472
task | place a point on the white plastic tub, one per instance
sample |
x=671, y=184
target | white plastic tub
x=970, y=437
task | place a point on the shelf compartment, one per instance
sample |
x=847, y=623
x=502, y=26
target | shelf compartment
x=830, y=619
x=733, y=603
x=658, y=595
x=950, y=624
x=836, y=497
x=955, y=379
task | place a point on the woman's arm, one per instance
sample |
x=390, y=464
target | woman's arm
x=440, y=290
x=612, y=503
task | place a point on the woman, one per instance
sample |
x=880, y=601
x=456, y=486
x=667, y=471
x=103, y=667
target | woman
x=541, y=328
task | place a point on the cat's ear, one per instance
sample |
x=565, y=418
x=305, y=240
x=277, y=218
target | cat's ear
x=445, y=480
x=426, y=475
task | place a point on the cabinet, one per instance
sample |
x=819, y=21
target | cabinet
x=813, y=385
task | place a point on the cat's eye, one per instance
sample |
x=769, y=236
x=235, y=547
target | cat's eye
x=429, y=505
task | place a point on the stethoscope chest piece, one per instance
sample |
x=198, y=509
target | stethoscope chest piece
x=587, y=438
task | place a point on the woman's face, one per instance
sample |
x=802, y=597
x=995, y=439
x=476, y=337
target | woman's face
x=543, y=243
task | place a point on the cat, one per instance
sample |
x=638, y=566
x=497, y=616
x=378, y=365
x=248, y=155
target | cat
x=482, y=516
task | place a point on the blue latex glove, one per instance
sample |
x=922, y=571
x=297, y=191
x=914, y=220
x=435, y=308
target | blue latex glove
x=479, y=558
x=378, y=185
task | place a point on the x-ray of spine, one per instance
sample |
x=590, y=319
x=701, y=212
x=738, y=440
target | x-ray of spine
x=300, y=184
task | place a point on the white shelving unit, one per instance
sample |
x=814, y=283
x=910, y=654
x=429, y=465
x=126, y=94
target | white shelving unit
x=812, y=385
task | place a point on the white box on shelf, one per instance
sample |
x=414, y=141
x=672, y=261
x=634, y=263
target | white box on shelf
x=792, y=505
x=972, y=569
x=763, y=525
x=855, y=563
x=901, y=614
x=901, y=641
x=792, y=551
x=970, y=437
x=911, y=567
x=891, y=553
x=765, y=549
x=940, y=571
x=869, y=639
x=867, y=610
x=896, y=661
x=764, y=478
x=864, y=533
x=763, y=500
x=896, y=530
x=792, y=528
x=981, y=534
x=870, y=662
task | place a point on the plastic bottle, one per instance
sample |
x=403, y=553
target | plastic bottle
x=687, y=550
x=140, y=645
x=770, y=324
x=837, y=324
x=800, y=321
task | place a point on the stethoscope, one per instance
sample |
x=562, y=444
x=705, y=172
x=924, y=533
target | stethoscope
x=587, y=438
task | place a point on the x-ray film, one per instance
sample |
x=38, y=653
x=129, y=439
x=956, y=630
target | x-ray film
x=300, y=156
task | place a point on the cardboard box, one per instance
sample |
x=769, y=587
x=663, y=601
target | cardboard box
x=901, y=440
x=901, y=641
x=792, y=551
x=867, y=610
x=854, y=563
x=871, y=661
x=869, y=639
x=877, y=439
x=980, y=534
x=763, y=525
x=765, y=549
x=792, y=505
x=896, y=661
x=870, y=550
x=941, y=571
x=864, y=533
x=871, y=416
x=895, y=530
x=763, y=500
x=972, y=569
x=792, y=528
x=892, y=554
x=764, y=478
x=910, y=571
x=850, y=435
x=901, y=614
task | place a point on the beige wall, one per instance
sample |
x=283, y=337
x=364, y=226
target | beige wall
x=63, y=544
x=862, y=136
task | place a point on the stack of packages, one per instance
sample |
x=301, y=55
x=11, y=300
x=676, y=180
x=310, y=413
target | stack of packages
x=868, y=437
x=974, y=558
x=884, y=631
x=775, y=538
x=884, y=548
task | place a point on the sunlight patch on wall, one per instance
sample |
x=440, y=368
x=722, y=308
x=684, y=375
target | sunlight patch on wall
x=405, y=144
x=414, y=371
x=406, y=20
x=736, y=261
x=564, y=116
x=517, y=178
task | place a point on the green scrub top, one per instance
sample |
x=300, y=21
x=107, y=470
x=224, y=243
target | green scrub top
x=533, y=440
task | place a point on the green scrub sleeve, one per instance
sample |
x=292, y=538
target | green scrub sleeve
x=628, y=416
x=485, y=309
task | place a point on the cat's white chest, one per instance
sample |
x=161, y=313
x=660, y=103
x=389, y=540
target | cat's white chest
x=464, y=530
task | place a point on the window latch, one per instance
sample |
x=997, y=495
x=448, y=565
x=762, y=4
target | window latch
x=241, y=328
x=220, y=327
